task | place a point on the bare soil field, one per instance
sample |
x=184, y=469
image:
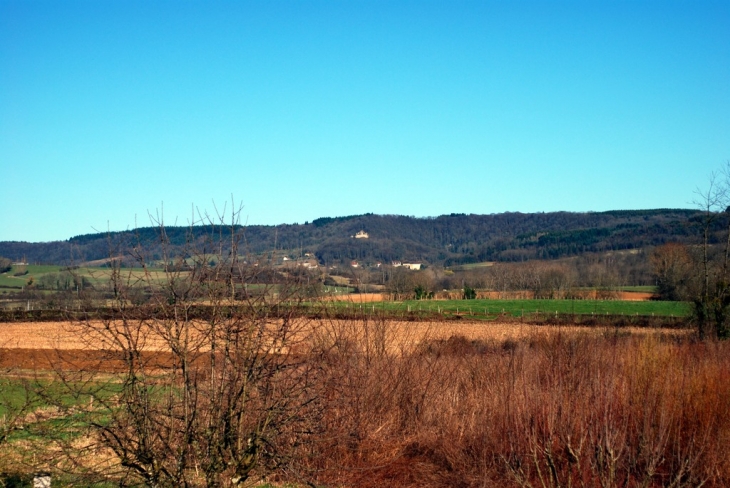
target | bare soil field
x=357, y=297
x=635, y=296
x=41, y=345
x=632, y=296
x=57, y=336
x=33, y=361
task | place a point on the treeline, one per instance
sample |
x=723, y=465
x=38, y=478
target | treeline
x=446, y=240
x=570, y=277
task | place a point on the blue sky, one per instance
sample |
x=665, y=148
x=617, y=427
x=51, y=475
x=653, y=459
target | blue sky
x=304, y=109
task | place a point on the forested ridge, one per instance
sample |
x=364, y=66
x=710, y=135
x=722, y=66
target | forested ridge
x=448, y=239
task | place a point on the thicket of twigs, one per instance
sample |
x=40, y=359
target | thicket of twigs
x=552, y=410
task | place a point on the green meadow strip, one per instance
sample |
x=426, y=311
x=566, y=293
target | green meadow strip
x=518, y=308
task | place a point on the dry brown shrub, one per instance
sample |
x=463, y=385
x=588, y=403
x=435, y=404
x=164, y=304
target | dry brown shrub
x=414, y=404
x=550, y=409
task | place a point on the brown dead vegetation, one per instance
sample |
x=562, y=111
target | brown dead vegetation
x=475, y=404
x=560, y=408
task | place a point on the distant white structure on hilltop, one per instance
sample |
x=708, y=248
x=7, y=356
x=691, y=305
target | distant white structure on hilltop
x=413, y=266
x=361, y=235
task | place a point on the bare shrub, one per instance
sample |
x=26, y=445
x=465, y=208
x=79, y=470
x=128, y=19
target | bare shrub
x=212, y=387
x=557, y=410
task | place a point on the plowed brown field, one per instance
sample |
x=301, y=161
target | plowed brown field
x=357, y=297
x=41, y=345
x=632, y=296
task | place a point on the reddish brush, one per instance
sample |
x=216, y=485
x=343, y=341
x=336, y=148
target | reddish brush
x=554, y=410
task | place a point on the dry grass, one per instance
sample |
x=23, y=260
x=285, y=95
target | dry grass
x=475, y=404
x=549, y=408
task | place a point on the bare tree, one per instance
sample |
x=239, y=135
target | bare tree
x=214, y=381
x=400, y=284
x=713, y=300
x=672, y=264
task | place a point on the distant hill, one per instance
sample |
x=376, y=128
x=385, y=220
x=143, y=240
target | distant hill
x=447, y=239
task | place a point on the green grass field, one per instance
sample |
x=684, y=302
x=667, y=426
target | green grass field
x=12, y=395
x=96, y=276
x=41, y=423
x=15, y=392
x=9, y=280
x=518, y=308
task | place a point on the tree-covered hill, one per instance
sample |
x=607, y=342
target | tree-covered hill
x=447, y=239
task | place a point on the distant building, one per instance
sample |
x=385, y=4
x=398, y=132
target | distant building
x=413, y=266
x=361, y=235
x=355, y=264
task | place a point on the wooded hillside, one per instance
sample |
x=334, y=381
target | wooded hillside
x=448, y=239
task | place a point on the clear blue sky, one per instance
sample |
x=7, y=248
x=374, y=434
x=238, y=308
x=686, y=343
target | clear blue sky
x=305, y=109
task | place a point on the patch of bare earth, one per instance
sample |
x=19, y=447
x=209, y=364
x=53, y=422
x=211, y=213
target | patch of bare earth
x=356, y=298
x=41, y=345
